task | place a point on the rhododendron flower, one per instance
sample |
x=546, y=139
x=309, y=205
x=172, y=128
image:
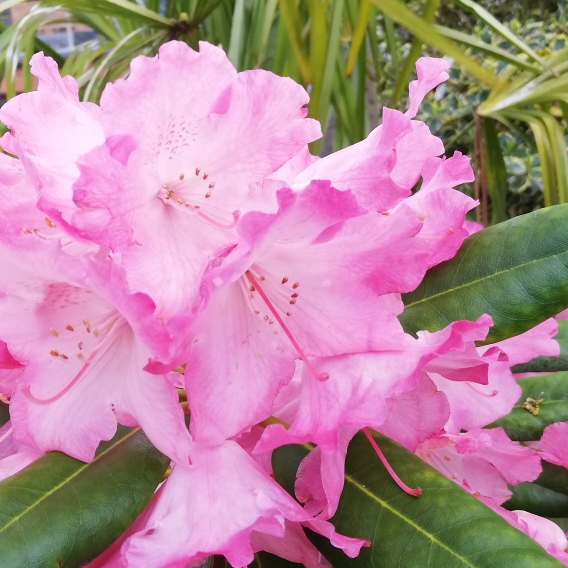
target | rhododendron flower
x=316, y=279
x=172, y=177
x=74, y=343
x=482, y=461
x=382, y=169
x=263, y=516
x=50, y=130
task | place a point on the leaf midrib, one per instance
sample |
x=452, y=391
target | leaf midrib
x=407, y=520
x=489, y=277
x=66, y=480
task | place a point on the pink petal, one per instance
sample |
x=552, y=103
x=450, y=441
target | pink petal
x=416, y=415
x=235, y=366
x=516, y=463
x=553, y=444
x=14, y=456
x=474, y=405
x=391, y=158
x=431, y=72
x=240, y=498
x=69, y=129
x=532, y=343
x=293, y=546
x=482, y=461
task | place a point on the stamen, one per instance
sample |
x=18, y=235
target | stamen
x=493, y=393
x=318, y=376
x=284, y=280
x=414, y=492
x=197, y=170
x=69, y=328
x=53, y=332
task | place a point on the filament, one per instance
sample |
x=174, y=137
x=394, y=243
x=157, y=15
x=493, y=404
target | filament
x=414, y=492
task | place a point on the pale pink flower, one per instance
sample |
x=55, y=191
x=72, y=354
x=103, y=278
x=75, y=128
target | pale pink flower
x=83, y=361
x=189, y=142
x=243, y=510
x=482, y=461
x=383, y=390
x=317, y=279
x=382, y=169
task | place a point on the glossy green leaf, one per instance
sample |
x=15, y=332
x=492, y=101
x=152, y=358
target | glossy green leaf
x=444, y=527
x=517, y=272
x=62, y=512
x=554, y=477
x=549, y=364
x=520, y=424
x=537, y=500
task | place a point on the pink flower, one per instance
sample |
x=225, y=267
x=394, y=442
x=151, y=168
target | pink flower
x=75, y=341
x=242, y=510
x=482, y=461
x=189, y=142
x=553, y=444
x=535, y=342
x=548, y=534
x=382, y=169
x=50, y=130
x=10, y=370
x=319, y=278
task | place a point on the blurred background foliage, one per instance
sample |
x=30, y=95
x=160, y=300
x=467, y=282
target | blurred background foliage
x=505, y=105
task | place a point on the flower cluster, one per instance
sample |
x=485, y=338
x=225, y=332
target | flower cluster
x=181, y=238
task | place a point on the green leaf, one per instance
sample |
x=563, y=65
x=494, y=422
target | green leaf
x=517, y=272
x=444, y=527
x=62, y=512
x=554, y=477
x=425, y=32
x=537, y=500
x=285, y=461
x=486, y=48
x=520, y=424
x=500, y=28
x=495, y=171
x=549, y=364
